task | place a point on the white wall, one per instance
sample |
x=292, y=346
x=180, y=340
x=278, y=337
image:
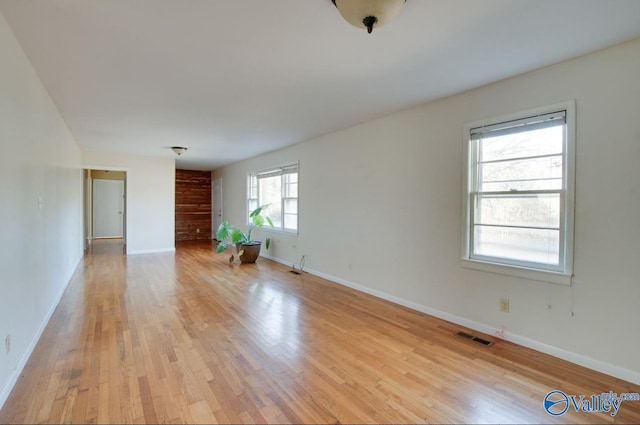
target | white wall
x=150, y=194
x=386, y=197
x=40, y=208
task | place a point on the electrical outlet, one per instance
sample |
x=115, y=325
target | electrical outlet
x=197, y=230
x=504, y=305
x=7, y=343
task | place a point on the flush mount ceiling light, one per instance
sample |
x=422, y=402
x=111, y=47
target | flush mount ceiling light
x=179, y=150
x=368, y=13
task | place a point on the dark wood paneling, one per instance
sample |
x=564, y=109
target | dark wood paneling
x=193, y=205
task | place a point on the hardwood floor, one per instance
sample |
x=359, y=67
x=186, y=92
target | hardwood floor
x=190, y=338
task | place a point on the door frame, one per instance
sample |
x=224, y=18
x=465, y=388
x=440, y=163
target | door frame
x=214, y=227
x=88, y=203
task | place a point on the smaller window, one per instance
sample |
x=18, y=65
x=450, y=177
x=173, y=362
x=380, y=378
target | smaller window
x=277, y=187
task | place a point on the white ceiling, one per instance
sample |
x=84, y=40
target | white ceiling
x=230, y=79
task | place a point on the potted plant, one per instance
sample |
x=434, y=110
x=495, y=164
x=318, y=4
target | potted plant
x=247, y=249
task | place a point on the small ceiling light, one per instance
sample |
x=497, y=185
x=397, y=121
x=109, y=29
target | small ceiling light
x=179, y=150
x=368, y=13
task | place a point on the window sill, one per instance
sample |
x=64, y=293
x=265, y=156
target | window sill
x=522, y=272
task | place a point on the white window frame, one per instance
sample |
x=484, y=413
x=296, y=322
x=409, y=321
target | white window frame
x=560, y=275
x=281, y=170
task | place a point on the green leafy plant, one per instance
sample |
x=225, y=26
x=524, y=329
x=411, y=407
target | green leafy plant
x=229, y=234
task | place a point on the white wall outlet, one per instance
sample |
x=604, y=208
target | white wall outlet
x=504, y=305
x=7, y=343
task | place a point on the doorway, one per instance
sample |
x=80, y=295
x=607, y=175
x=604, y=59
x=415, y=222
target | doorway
x=104, y=205
x=216, y=206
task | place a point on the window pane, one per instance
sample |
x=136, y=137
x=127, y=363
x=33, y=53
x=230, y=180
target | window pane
x=270, y=191
x=526, y=143
x=252, y=183
x=530, y=245
x=520, y=210
x=291, y=190
x=253, y=204
x=522, y=174
x=291, y=206
x=291, y=221
x=291, y=178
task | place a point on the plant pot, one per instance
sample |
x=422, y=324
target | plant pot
x=251, y=251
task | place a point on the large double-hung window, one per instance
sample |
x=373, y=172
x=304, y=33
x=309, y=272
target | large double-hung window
x=277, y=187
x=519, y=197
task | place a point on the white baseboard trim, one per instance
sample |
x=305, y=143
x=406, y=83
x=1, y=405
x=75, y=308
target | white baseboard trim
x=13, y=378
x=276, y=259
x=150, y=251
x=579, y=359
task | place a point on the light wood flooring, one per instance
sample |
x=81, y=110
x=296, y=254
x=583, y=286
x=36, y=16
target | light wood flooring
x=190, y=338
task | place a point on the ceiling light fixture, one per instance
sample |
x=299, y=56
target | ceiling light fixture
x=368, y=13
x=179, y=150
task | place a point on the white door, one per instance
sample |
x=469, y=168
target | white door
x=108, y=208
x=216, y=206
